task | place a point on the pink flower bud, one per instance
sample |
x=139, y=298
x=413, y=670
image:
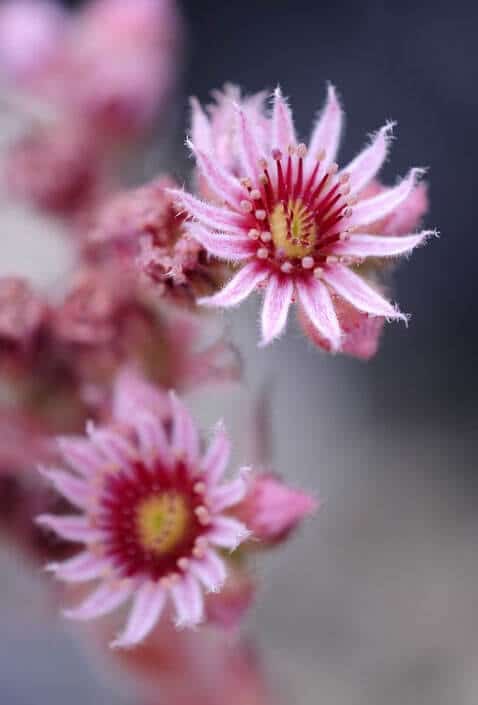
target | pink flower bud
x=271, y=509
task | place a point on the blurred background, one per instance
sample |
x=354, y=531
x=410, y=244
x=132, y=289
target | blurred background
x=374, y=602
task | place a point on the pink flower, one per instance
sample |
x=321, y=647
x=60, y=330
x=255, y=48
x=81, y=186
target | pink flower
x=123, y=62
x=55, y=168
x=271, y=509
x=30, y=31
x=22, y=312
x=296, y=225
x=144, y=228
x=152, y=516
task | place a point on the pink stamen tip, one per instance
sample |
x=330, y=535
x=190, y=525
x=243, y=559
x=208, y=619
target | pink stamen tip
x=286, y=268
x=307, y=262
x=333, y=168
x=246, y=206
x=332, y=259
x=260, y=214
x=263, y=253
x=255, y=194
x=276, y=155
x=266, y=236
x=321, y=155
x=318, y=271
x=254, y=234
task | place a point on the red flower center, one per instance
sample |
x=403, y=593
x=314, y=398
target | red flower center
x=295, y=218
x=154, y=520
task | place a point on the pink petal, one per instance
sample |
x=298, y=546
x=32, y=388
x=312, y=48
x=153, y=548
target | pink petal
x=185, y=439
x=195, y=597
x=152, y=439
x=356, y=291
x=228, y=247
x=81, y=455
x=248, y=142
x=318, y=306
x=217, y=455
x=227, y=532
x=276, y=306
x=188, y=601
x=76, y=491
x=83, y=567
x=210, y=570
x=108, y=597
x=209, y=215
x=147, y=607
x=115, y=448
x=362, y=245
x=132, y=392
x=283, y=131
x=407, y=218
x=373, y=209
x=366, y=165
x=200, y=127
x=72, y=528
x=272, y=509
x=219, y=181
x=327, y=131
x=239, y=288
x=229, y=494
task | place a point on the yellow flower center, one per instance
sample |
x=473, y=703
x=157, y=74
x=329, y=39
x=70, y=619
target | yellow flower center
x=293, y=229
x=162, y=521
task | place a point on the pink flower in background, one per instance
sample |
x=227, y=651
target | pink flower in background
x=271, y=509
x=30, y=33
x=123, y=61
x=152, y=515
x=22, y=312
x=144, y=228
x=56, y=168
x=295, y=224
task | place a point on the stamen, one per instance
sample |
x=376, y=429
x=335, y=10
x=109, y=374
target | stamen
x=254, y=234
x=286, y=267
x=246, y=206
x=301, y=150
x=266, y=236
x=262, y=253
x=307, y=262
x=318, y=271
x=260, y=214
x=256, y=194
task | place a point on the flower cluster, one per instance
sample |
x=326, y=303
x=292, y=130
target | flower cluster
x=90, y=83
x=140, y=504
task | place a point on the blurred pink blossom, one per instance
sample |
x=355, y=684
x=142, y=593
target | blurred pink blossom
x=56, y=168
x=152, y=516
x=30, y=33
